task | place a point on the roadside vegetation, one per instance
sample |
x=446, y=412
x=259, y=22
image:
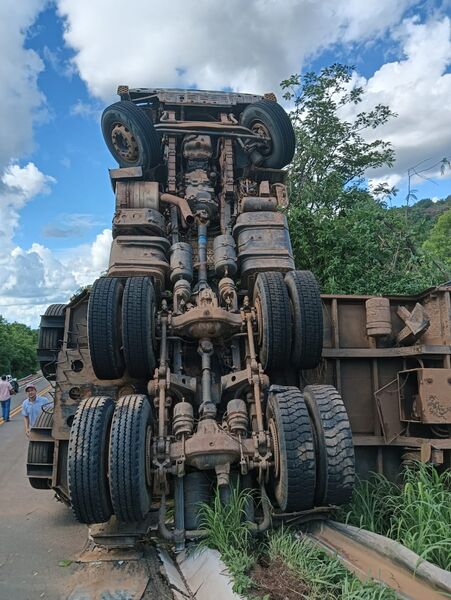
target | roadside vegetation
x=17, y=349
x=278, y=565
x=344, y=230
x=416, y=514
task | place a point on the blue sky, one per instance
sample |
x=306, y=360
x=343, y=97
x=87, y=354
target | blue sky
x=62, y=61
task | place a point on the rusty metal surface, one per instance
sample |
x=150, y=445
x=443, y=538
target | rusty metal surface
x=201, y=97
x=206, y=335
x=425, y=395
x=389, y=415
x=365, y=369
x=373, y=561
x=137, y=194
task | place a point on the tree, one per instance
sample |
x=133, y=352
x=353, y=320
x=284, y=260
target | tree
x=340, y=229
x=439, y=241
x=17, y=349
x=332, y=156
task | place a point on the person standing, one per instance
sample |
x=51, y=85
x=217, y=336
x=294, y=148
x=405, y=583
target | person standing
x=32, y=406
x=6, y=389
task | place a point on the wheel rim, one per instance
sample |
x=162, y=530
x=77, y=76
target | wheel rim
x=149, y=456
x=124, y=142
x=258, y=310
x=276, y=449
x=262, y=131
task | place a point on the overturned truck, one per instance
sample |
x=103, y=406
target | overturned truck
x=197, y=362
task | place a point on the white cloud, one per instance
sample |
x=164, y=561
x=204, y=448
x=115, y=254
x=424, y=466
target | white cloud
x=20, y=98
x=88, y=261
x=245, y=45
x=26, y=182
x=61, y=66
x=86, y=110
x=418, y=89
x=33, y=278
x=65, y=225
x=18, y=186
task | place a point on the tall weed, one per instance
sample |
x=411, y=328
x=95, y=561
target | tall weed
x=326, y=577
x=228, y=533
x=416, y=514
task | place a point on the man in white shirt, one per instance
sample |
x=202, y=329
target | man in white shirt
x=32, y=407
x=6, y=389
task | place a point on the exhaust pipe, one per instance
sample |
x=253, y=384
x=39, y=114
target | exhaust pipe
x=182, y=204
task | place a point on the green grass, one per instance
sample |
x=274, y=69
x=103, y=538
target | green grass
x=416, y=514
x=228, y=533
x=324, y=576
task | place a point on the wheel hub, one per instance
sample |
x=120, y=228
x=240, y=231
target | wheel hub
x=124, y=142
x=262, y=131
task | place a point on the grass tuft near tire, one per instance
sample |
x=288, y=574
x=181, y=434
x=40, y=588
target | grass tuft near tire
x=416, y=514
x=229, y=534
x=278, y=565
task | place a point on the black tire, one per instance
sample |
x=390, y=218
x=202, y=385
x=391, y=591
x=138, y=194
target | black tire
x=197, y=489
x=87, y=461
x=40, y=484
x=273, y=310
x=131, y=136
x=294, y=476
x=277, y=123
x=50, y=340
x=307, y=310
x=41, y=453
x=138, y=327
x=131, y=426
x=104, y=328
x=334, y=445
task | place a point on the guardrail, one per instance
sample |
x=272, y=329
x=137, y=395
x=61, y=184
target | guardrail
x=28, y=378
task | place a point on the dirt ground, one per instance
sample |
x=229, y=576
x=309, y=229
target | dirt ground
x=276, y=581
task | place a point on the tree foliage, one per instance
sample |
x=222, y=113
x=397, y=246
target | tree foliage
x=439, y=241
x=17, y=349
x=340, y=229
x=422, y=216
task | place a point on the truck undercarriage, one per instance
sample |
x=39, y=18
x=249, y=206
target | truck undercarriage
x=178, y=372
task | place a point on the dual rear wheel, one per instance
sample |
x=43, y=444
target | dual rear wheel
x=50, y=339
x=290, y=320
x=312, y=447
x=107, y=459
x=109, y=446
x=121, y=327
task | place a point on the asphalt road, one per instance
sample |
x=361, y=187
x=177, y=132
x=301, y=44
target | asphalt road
x=36, y=531
x=40, y=539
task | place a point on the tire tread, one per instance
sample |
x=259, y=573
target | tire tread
x=138, y=311
x=300, y=452
x=337, y=466
x=87, y=460
x=286, y=139
x=141, y=125
x=104, y=310
x=129, y=495
x=276, y=341
x=305, y=297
